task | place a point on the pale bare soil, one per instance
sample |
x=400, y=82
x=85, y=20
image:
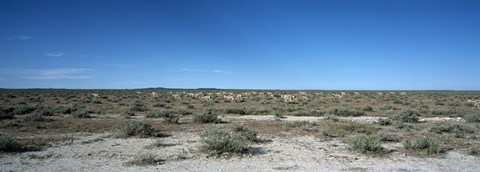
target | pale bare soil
x=285, y=151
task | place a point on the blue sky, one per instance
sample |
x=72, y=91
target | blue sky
x=258, y=44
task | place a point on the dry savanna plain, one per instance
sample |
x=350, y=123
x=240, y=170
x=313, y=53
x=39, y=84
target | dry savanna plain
x=239, y=130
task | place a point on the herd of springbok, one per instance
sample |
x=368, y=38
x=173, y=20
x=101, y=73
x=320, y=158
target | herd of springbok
x=476, y=102
x=287, y=98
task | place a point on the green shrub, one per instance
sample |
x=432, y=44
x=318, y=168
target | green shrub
x=168, y=116
x=9, y=144
x=81, y=114
x=304, y=125
x=207, y=117
x=331, y=117
x=384, y=121
x=278, y=115
x=240, y=111
x=329, y=133
x=386, y=137
x=450, y=128
x=388, y=107
x=469, y=104
x=358, y=127
x=22, y=110
x=345, y=112
x=474, y=117
x=449, y=112
x=159, y=105
x=250, y=134
x=367, y=108
x=409, y=116
x=34, y=117
x=474, y=151
x=6, y=112
x=137, y=128
x=366, y=143
x=428, y=145
x=223, y=141
x=137, y=107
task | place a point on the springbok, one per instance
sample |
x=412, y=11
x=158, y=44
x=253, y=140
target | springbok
x=337, y=95
x=95, y=95
x=229, y=98
x=154, y=94
x=304, y=97
x=239, y=97
x=289, y=97
x=176, y=96
x=476, y=101
x=207, y=98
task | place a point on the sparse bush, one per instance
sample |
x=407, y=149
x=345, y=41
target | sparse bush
x=168, y=116
x=240, y=111
x=22, y=110
x=386, y=137
x=146, y=159
x=250, y=134
x=450, y=128
x=370, y=144
x=81, y=114
x=474, y=117
x=367, y=108
x=396, y=101
x=331, y=117
x=474, y=151
x=384, y=121
x=453, y=103
x=469, y=104
x=159, y=143
x=345, y=112
x=137, y=107
x=159, y=105
x=403, y=125
x=388, y=107
x=359, y=128
x=207, y=117
x=304, y=125
x=329, y=133
x=430, y=146
x=9, y=144
x=278, y=115
x=449, y=112
x=34, y=117
x=222, y=141
x=6, y=112
x=409, y=116
x=137, y=128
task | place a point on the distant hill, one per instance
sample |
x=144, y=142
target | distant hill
x=163, y=88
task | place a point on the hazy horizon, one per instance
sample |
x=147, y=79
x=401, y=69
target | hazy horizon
x=267, y=44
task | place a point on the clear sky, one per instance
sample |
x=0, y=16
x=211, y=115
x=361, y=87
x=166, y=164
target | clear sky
x=257, y=44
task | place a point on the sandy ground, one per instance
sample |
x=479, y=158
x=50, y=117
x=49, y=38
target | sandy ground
x=103, y=152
